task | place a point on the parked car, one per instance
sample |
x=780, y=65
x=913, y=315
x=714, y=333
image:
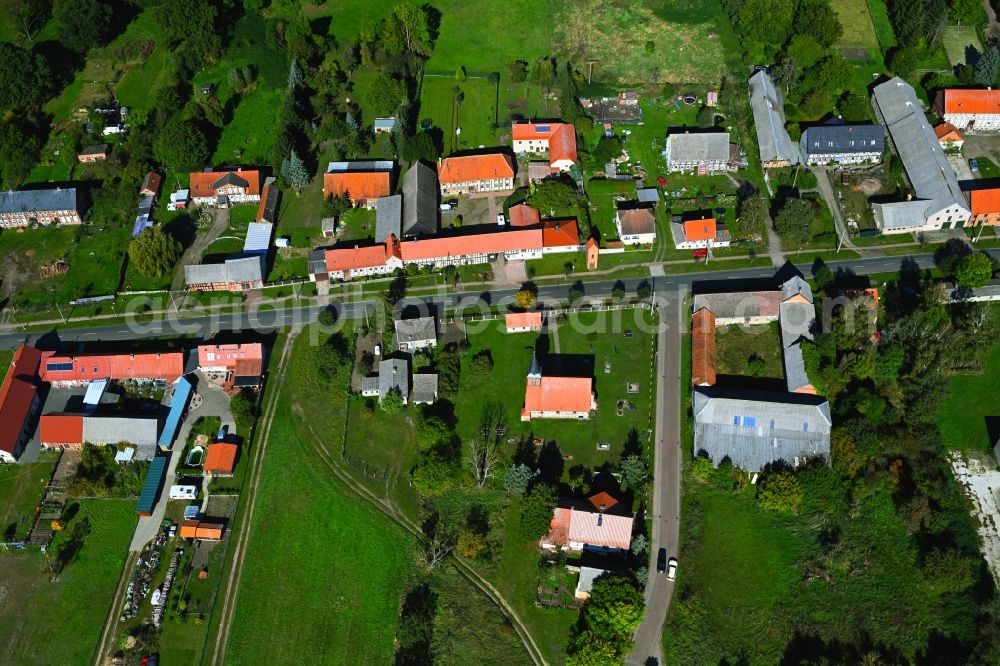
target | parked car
x=501, y=220
x=661, y=561
x=672, y=568
x=661, y=180
x=974, y=165
x=445, y=207
x=378, y=350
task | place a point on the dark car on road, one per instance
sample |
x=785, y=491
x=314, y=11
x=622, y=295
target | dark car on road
x=661, y=561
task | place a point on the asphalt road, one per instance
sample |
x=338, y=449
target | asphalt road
x=667, y=474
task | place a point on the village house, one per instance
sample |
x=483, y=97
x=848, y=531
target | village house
x=523, y=322
x=20, y=400
x=425, y=389
x=393, y=377
x=636, y=224
x=523, y=215
x=837, y=142
x=985, y=206
x=556, y=397
x=220, y=459
x=938, y=203
x=420, y=202
x=225, y=188
x=414, y=334
x=22, y=208
x=556, y=139
x=599, y=523
x=949, y=137
x=235, y=274
x=699, y=232
x=91, y=154
x=151, y=185
x=475, y=174
x=776, y=147
x=364, y=181
x=969, y=110
x=699, y=152
x=560, y=235
x=242, y=365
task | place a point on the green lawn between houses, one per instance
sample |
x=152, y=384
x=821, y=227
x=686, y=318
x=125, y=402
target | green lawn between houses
x=735, y=345
x=45, y=622
x=969, y=417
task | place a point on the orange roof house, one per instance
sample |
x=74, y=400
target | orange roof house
x=485, y=172
x=220, y=459
x=557, y=139
x=361, y=186
x=226, y=357
x=699, y=230
x=523, y=215
x=948, y=133
x=965, y=101
x=560, y=233
x=166, y=366
x=519, y=322
x=193, y=529
x=18, y=402
x=703, y=348
x=556, y=397
x=985, y=206
x=238, y=185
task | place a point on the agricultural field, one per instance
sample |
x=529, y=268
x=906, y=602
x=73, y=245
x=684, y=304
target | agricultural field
x=324, y=573
x=594, y=338
x=969, y=418
x=92, y=550
x=961, y=42
x=857, y=22
x=21, y=488
x=475, y=115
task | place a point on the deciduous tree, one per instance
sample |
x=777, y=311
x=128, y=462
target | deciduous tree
x=974, y=270
x=779, y=491
x=525, y=299
x=82, y=24
x=182, y=143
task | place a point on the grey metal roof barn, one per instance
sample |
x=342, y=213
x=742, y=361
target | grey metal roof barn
x=420, y=207
x=241, y=269
x=388, y=217
x=837, y=137
x=756, y=428
x=900, y=214
x=114, y=429
x=913, y=139
x=698, y=146
x=769, y=119
x=394, y=376
x=258, y=239
x=23, y=201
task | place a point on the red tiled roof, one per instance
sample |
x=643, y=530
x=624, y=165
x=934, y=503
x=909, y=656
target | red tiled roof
x=168, y=366
x=561, y=138
x=636, y=221
x=353, y=258
x=470, y=168
x=948, y=132
x=600, y=529
x=60, y=429
x=189, y=529
x=193, y=529
x=489, y=243
x=249, y=367
x=204, y=183
x=151, y=183
x=560, y=233
x=559, y=394
x=220, y=457
x=228, y=356
x=957, y=100
x=699, y=230
x=523, y=320
x=703, y=348
x=523, y=215
x=986, y=200
x=359, y=185
x=17, y=393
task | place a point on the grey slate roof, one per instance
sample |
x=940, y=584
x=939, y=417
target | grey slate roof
x=394, y=375
x=913, y=138
x=420, y=207
x=836, y=136
x=698, y=146
x=900, y=214
x=769, y=119
x=425, y=388
x=241, y=269
x=316, y=262
x=737, y=425
x=369, y=384
x=415, y=330
x=26, y=201
x=388, y=217
x=796, y=376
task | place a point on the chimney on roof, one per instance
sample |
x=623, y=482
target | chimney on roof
x=600, y=519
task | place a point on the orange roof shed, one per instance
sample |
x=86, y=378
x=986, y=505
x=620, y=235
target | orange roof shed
x=221, y=458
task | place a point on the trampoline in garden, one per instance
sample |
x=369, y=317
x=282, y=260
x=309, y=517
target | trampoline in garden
x=689, y=99
x=195, y=457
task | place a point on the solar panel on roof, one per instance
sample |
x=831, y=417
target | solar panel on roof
x=56, y=367
x=542, y=128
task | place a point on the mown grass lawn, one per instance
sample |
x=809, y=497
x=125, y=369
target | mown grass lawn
x=969, y=417
x=474, y=115
x=857, y=23
x=45, y=622
x=21, y=487
x=735, y=345
x=324, y=573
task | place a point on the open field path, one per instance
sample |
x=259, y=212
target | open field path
x=106, y=644
x=229, y=595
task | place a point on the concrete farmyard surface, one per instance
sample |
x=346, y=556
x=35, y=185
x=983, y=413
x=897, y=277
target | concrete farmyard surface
x=980, y=479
